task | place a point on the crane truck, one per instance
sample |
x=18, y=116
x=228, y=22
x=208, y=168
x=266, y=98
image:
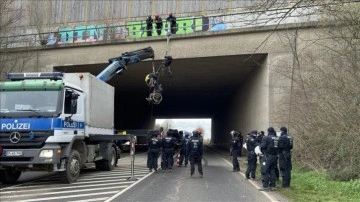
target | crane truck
x=57, y=122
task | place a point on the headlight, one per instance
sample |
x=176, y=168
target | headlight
x=46, y=153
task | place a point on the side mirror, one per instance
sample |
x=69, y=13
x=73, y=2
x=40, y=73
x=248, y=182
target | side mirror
x=70, y=103
x=74, y=98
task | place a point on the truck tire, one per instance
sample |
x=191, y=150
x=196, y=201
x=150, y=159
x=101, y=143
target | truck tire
x=73, y=166
x=9, y=176
x=109, y=164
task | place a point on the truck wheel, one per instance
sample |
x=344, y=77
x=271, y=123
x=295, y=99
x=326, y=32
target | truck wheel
x=110, y=163
x=99, y=165
x=73, y=166
x=9, y=176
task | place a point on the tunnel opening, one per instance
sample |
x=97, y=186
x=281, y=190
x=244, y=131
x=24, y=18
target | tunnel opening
x=187, y=125
x=230, y=90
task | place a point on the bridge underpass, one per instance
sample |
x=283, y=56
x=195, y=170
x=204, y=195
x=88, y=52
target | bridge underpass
x=204, y=87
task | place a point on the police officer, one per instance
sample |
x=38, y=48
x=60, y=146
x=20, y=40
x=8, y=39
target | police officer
x=187, y=138
x=252, y=158
x=172, y=20
x=269, y=147
x=158, y=24
x=259, y=138
x=149, y=25
x=241, y=140
x=168, y=145
x=285, y=147
x=154, y=150
x=182, y=148
x=234, y=150
x=195, y=152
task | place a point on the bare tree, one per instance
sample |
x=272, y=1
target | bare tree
x=15, y=48
x=40, y=18
x=324, y=105
x=328, y=103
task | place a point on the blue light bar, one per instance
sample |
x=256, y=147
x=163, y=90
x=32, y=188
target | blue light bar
x=34, y=75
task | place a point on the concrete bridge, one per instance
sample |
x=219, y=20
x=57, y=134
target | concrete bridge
x=236, y=77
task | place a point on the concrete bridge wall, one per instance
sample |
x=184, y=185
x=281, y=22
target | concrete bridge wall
x=250, y=68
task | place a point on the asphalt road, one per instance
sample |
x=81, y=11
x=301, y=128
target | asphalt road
x=218, y=184
x=36, y=175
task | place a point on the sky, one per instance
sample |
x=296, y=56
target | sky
x=187, y=125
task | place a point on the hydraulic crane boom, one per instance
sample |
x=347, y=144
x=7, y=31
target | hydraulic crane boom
x=118, y=64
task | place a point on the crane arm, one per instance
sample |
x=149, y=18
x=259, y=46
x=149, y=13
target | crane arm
x=118, y=64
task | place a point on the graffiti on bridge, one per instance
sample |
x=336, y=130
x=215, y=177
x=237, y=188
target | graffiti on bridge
x=132, y=29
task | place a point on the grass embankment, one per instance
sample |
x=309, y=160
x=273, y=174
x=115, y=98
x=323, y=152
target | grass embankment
x=312, y=186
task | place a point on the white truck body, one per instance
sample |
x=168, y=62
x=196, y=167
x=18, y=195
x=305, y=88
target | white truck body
x=56, y=125
x=99, y=102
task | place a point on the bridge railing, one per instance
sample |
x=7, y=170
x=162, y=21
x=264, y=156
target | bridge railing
x=102, y=33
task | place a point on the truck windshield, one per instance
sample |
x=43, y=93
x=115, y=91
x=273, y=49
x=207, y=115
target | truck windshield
x=30, y=103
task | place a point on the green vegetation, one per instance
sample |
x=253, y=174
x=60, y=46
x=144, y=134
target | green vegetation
x=314, y=186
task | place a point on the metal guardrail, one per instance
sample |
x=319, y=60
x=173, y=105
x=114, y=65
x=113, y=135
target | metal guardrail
x=133, y=29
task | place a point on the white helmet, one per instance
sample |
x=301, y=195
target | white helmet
x=233, y=133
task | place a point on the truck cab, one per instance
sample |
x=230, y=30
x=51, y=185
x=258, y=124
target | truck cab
x=45, y=126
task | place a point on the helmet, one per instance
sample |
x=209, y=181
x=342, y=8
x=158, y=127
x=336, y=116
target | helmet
x=253, y=133
x=233, y=133
x=271, y=130
x=283, y=129
x=195, y=133
x=187, y=134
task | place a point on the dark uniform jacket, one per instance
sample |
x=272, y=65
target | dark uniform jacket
x=154, y=144
x=168, y=143
x=269, y=144
x=285, y=143
x=195, y=147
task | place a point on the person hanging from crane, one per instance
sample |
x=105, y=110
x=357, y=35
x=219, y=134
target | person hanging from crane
x=155, y=88
x=165, y=64
x=151, y=80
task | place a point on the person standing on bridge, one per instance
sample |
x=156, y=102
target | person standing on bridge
x=158, y=24
x=149, y=25
x=194, y=149
x=251, y=156
x=172, y=20
x=285, y=147
x=234, y=150
x=154, y=150
x=269, y=147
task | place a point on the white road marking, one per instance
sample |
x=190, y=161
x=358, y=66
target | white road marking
x=63, y=197
x=127, y=188
x=255, y=185
x=89, y=200
x=66, y=187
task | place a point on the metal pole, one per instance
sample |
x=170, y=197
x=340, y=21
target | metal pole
x=132, y=154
